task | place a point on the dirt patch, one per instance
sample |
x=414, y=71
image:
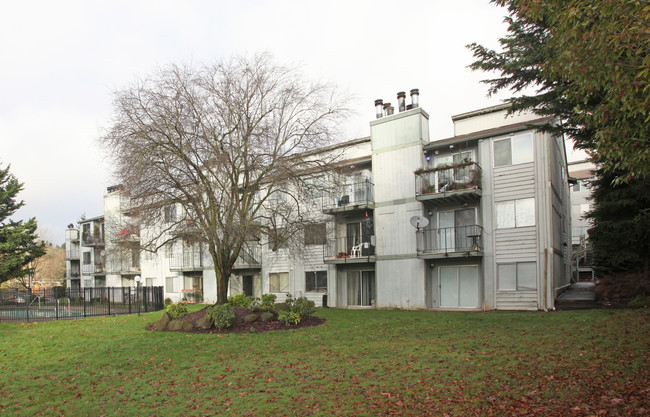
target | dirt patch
x=241, y=326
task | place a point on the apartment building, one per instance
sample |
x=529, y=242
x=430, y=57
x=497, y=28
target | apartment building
x=480, y=220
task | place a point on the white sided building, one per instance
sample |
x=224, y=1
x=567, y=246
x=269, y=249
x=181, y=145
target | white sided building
x=480, y=220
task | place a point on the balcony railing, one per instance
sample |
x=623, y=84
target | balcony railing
x=92, y=239
x=348, y=248
x=88, y=269
x=187, y=260
x=250, y=255
x=349, y=195
x=443, y=179
x=450, y=239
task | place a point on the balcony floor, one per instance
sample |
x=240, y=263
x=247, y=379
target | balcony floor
x=468, y=195
x=455, y=254
x=348, y=260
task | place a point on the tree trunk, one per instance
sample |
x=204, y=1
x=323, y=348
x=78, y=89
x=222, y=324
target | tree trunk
x=222, y=286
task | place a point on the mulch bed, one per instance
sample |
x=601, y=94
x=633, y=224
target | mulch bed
x=241, y=326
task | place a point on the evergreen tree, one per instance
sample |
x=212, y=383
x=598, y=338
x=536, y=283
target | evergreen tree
x=587, y=61
x=620, y=236
x=19, y=244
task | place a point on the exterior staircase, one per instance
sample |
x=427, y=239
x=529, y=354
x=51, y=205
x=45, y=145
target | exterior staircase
x=579, y=296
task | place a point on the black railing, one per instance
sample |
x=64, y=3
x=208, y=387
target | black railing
x=357, y=194
x=346, y=248
x=444, y=179
x=72, y=303
x=450, y=239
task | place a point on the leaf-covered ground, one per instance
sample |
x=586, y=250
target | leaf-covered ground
x=360, y=362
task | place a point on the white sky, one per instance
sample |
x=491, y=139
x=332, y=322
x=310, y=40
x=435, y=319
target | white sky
x=62, y=59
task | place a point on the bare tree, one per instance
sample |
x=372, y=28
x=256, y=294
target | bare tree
x=227, y=143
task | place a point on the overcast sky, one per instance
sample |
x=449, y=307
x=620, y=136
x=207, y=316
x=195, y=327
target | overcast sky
x=61, y=61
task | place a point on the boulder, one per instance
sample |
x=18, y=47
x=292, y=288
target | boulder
x=162, y=324
x=251, y=318
x=204, y=323
x=267, y=316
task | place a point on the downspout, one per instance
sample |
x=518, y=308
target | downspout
x=545, y=279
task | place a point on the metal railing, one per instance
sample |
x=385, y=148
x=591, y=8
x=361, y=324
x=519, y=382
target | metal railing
x=71, y=303
x=445, y=179
x=192, y=259
x=250, y=254
x=87, y=269
x=92, y=239
x=450, y=239
x=346, y=248
x=356, y=194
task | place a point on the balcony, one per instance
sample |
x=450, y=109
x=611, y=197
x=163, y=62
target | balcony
x=95, y=239
x=461, y=241
x=346, y=250
x=72, y=254
x=128, y=235
x=72, y=235
x=191, y=260
x=458, y=183
x=250, y=257
x=93, y=269
x=349, y=198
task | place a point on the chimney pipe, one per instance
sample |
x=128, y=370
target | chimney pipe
x=415, y=98
x=388, y=109
x=401, y=101
x=379, y=105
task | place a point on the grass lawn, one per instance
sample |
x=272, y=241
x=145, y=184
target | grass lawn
x=361, y=362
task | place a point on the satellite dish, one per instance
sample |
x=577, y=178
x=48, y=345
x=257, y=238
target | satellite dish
x=419, y=222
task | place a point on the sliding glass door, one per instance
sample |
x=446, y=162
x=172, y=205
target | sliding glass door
x=361, y=288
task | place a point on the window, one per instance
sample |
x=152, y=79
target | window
x=170, y=213
x=171, y=284
x=520, y=276
x=577, y=186
x=515, y=213
x=86, y=259
x=315, y=234
x=279, y=282
x=316, y=281
x=514, y=150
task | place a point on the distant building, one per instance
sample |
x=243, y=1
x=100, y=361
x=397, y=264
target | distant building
x=480, y=220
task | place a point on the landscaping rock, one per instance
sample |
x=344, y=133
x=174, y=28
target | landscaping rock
x=281, y=307
x=180, y=326
x=204, y=323
x=251, y=318
x=267, y=316
x=164, y=321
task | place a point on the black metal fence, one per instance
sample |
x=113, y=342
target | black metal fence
x=69, y=303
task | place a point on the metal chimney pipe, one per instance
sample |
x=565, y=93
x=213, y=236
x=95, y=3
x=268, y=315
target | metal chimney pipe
x=379, y=106
x=387, y=106
x=401, y=101
x=415, y=98
x=390, y=110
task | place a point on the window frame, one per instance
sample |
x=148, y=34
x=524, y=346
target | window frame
x=316, y=288
x=518, y=280
x=515, y=157
x=279, y=287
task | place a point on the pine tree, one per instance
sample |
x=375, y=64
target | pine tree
x=620, y=236
x=19, y=244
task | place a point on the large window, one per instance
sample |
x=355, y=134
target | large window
x=171, y=284
x=519, y=276
x=316, y=281
x=170, y=213
x=315, y=234
x=515, y=213
x=514, y=150
x=279, y=282
x=86, y=258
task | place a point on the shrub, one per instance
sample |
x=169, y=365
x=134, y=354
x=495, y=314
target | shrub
x=280, y=307
x=240, y=300
x=289, y=318
x=222, y=316
x=304, y=307
x=268, y=300
x=168, y=301
x=177, y=310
